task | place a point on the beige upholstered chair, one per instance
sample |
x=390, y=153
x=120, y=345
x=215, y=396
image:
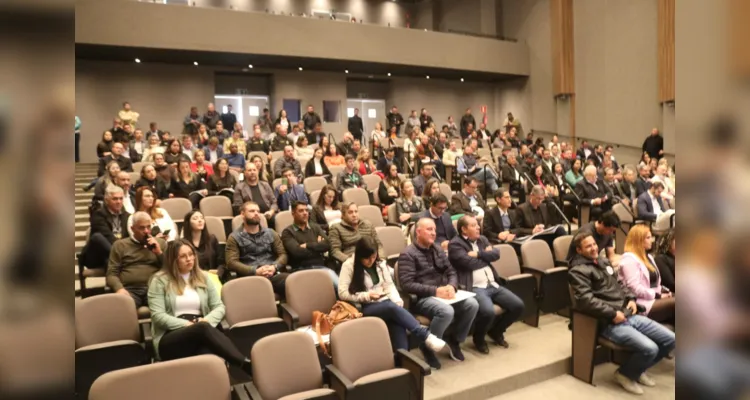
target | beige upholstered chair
x=371, y=214
x=561, y=246
x=552, y=281
x=357, y=195
x=307, y=291
x=372, y=181
x=520, y=283
x=215, y=226
x=283, y=219
x=313, y=183
x=177, y=208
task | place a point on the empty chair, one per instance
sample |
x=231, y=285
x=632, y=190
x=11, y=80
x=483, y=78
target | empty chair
x=137, y=167
x=521, y=284
x=445, y=189
x=359, y=196
x=307, y=291
x=202, y=377
x=561, y=246
x=286, y=366
x=107, y=336
x=215, y=226
x=283, y=219
x=364, y=367
x=177, y=208
x=393, y=241
x=371, y=214
x=335, y=170
x=372, y=181
x=552, y=281
x=250, y=311
x=393, y=214
x=314, y=196
x=314, y=183
x=134, y=177
x=276, y=183
x=627, y=220
x=216, y=206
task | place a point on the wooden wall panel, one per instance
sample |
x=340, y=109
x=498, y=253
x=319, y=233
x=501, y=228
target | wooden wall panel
x=739, y=33
x=665, y=46
x=563, y=51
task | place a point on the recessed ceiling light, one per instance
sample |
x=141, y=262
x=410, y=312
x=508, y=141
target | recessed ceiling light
x=300, y=68
x=425, y=30
x=195, y=63
x=250, y=66
x=346, y=71
x=428, y=77
x=462, y=79
x=389, y=74
x=138, y=60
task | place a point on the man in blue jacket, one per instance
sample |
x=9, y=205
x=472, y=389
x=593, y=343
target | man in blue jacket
x=650, y=205
x=471, y=254
x=444, y=229
x=289, y=192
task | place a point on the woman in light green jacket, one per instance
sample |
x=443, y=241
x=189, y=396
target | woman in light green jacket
x=186, y=308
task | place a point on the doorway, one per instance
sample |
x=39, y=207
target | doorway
x=371, y=111
x=247, y=108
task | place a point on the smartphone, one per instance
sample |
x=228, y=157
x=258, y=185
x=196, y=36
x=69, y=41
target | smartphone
x=284, y=181
x=166, y=233
x=155, y=230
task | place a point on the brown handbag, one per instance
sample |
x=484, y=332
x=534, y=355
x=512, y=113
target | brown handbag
x=323, y=323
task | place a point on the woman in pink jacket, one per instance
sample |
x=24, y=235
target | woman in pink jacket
x=639, y=273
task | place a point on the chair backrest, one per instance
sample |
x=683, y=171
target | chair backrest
x=335, y=169
x=166, y=380
x=215, y=226
x=277, y=155
x=585, y=214
x=392, y=238
x=308, y=291
x=237, y=222
x=105, y=318
x=283, y=219
x=248, y=299
x=216, y=206
x=314, y=183
x=372, y=181
x=137, y=167
x=362, y=347
x=238, y=177
x=635, y=208
x=445, y=189
x=314, y=197
x=262, y=155
x=372, y=214
x=392, y=214
x=561, y=246
x=284, y=364
x=134, y=177
x=507, y=265
x=622, y=212
x=535, y=253
x=177, y=208
x=358, y=195
x=276, y=183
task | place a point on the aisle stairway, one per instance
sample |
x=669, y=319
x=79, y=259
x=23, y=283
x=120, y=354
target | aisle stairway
x=84, y=174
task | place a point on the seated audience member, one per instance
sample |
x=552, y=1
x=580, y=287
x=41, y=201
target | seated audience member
x=303, y=149
x=159, y=160
x=639, y=273
x=642, y=183
x=289, y=192
x=188, y=185
x=236, y=139
x=148, y=178
x=281, y=140
x=650, y=204
x=221, y=133
x=468, y=200
x=444, y=229
x=145, y=201
x=235, y=159
x=345, y=145
x=471, y=254
x=255, y=250
x=451, y=154
x=366, y=279
x=349, y=178
x=174, y=153
x=534, y=216
x=326, y=211
x=345, y=235
x=128, y=201
x=206, y=244
x=108, y=224
x=500, y=224
x=512, y=174
x=665, y=255
x=541, y=178
x=316, y=166
x=101, y=183
x=424, y=270
x=419, y=181
x=129, y=152
x=431, y=189
x=200, y=138
x=287, y=161
x=200, y=166
x=333, y=158
x=134, y=259
x=409, y=207
x=166, y=137
x=603, y=231
x=213, y=150
x=104, y=148
x=390, y=186
x=125, y=163
x=365, y=163
x=574, y=174
x=598, y=293
x=388, y=160
x=257, y=191
x=258, y=143
x=592, y=191
x=306, y=244
x=164, y=181
x=139, y=142
x=262, y=170
x=221, y=179
x=626, y=189
x=185, y=309
x=661, y=175
x=468, y=165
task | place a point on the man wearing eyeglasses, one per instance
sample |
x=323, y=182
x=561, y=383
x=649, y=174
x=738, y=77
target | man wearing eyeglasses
x=444, y=229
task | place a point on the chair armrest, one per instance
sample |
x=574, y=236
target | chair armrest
x=289, y=316
x=532, y=270
x=239, y=392
x=252, y=391
x=409, y=300
x=559, y=263
x=225, y=325
x=412, y=363
x=338, y=382
x=392, y=224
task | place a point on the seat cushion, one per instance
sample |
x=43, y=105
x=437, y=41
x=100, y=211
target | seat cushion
x=308, y=394
x=555, y=270
x=94, y=272
x=105, y=345
x=381, y=376
x=259, y=321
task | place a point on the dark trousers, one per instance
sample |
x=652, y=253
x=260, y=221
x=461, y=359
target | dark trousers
x=78, y=141
x=278, y=282
x=518, y=190
x=663, y=310
x=197, y=339
x=486, y=322
x=97, y=251
x=139, y=294
x=398, y=320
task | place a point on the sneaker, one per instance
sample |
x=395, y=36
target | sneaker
x=627, y=384
x=429, y=357
x=455, y=351
x=434, y=343
x=646, y=380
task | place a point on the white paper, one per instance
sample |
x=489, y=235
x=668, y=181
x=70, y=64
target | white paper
x=311, y=332
x=461, y=295
x=521, y=240
x=254, y=111
x=371, y=113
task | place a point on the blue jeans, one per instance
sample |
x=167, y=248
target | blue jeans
x=650, y=341
x=331, y=273
x=443, y=314
x=486, y=322
x=398, y=320
x=482, y=173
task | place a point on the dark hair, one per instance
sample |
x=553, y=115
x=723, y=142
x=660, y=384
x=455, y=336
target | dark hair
x=300, y=139
x=468, y=180
x=390, y=149
x=285, y=170
x=187, y=233
x=579, y=238
x=348, y=157
x=664, y=244
x=609, y=219
x=364, y=248
x=499, y=193
x=439, y=199
x=169, y=145
x=321, y=199
x=463, y=222
x=298, y=203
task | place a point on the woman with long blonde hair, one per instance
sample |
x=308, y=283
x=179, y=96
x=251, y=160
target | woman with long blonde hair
x=186, y=308
x=638, y=273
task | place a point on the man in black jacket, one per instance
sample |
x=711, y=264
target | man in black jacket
x=642, y=183
x=591, y=191
x=598, y=293
x=471, y=254
x=512, y=175
x=654, y=144
x=228, y=119
x=500, y=223
x=465, y=121
x=394, y=119
x=424, y=270
x=311, y=118
x=356, y=128
x=390, y=158
x=125, y=163
x=535, y=216
x=108, y=224
x=306, y=243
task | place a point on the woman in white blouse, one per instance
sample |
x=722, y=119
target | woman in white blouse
x=316, y=166
x=185, y=309
x=284, y=121
x=302, y=149
x=154, y=146
x=145, y=201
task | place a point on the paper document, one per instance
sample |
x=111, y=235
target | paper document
x=461, y=295
x=522, y=240
x=311, y=332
